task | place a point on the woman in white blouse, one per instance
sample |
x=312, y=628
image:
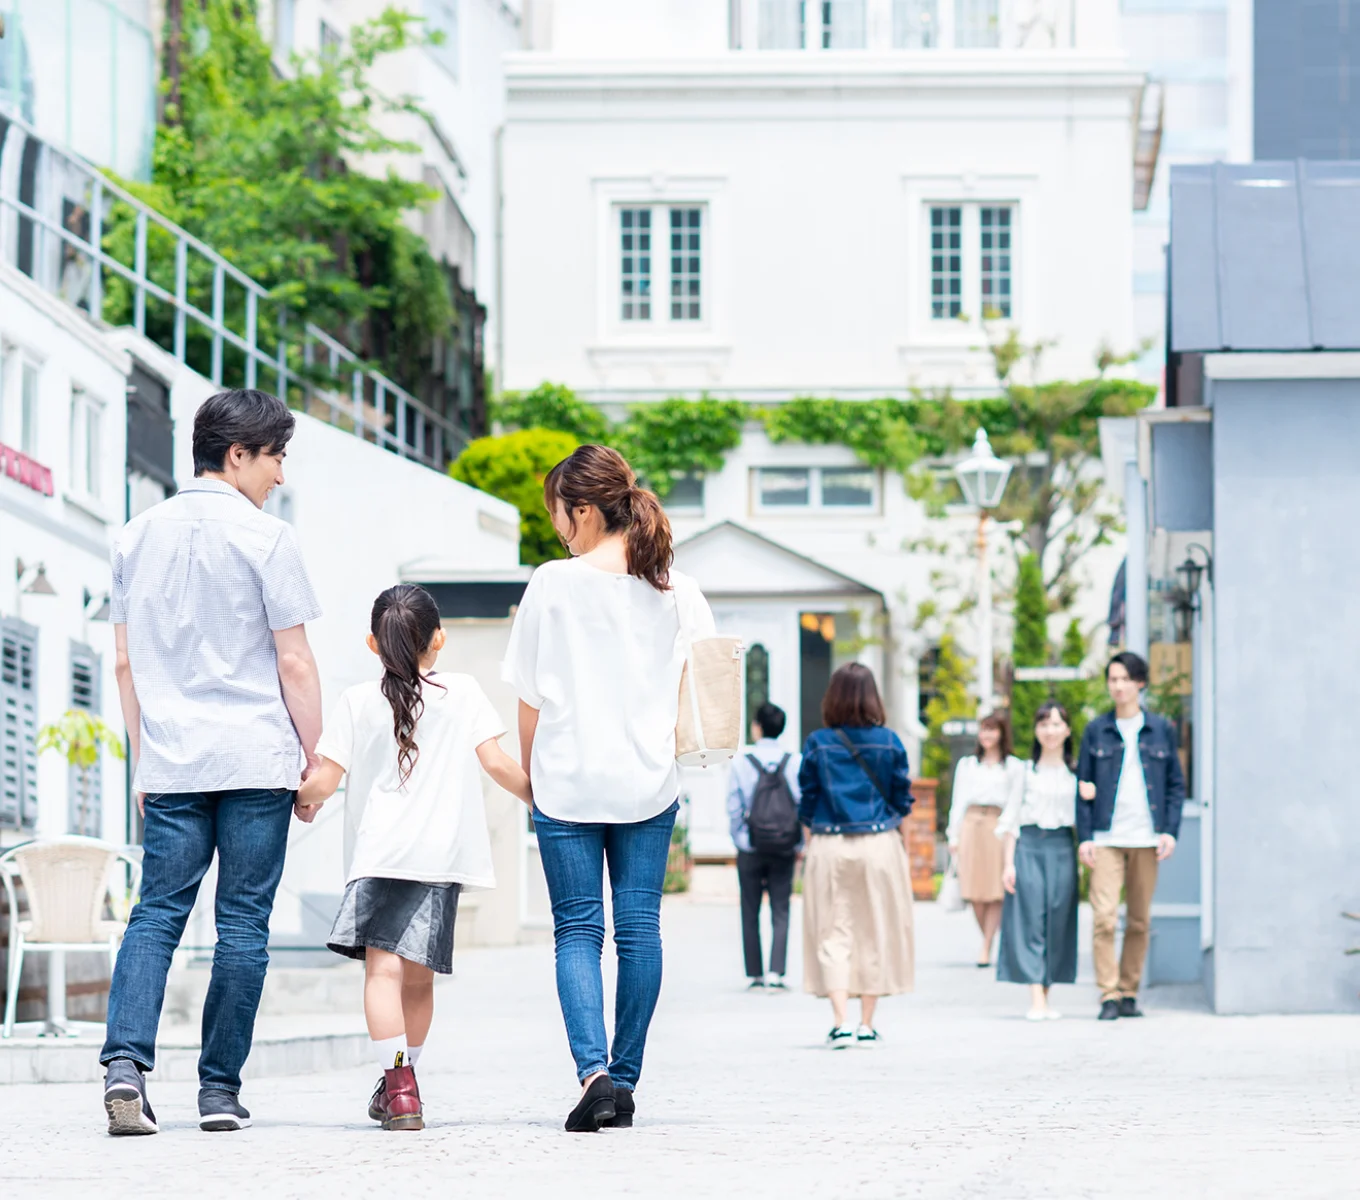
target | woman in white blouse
x=1039, y=923
x=983, y=784
x=595, y=656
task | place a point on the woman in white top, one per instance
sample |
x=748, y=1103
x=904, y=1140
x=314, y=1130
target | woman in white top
x=595, y=657
x=983, y=784
x=1039, y=924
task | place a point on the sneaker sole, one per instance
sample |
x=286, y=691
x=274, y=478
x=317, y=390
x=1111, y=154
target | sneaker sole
x=842, y=1044
x=126, y=1115
x=223, y=1123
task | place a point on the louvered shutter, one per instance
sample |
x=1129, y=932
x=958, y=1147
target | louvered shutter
x=18, y=725
x=85, y=696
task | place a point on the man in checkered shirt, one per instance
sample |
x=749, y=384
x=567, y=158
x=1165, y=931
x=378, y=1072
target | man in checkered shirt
x=222, y=703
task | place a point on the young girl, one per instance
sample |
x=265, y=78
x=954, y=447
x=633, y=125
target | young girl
x=415, y=829
x=1039, y=920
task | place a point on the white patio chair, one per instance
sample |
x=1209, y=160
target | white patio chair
x=67, y=882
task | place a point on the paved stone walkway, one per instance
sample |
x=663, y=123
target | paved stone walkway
x=964, y=1099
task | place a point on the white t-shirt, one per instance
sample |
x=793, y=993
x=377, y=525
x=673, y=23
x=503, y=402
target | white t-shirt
x=599, y=655
x=432, y=829
x=1132, y=826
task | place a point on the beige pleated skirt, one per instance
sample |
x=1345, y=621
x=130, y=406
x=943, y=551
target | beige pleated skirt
x=982, y=857
x=857, y=915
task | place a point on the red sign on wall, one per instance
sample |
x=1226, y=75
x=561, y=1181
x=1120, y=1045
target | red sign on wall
x=23, y=469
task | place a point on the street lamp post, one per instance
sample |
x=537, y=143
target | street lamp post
x=982, y=477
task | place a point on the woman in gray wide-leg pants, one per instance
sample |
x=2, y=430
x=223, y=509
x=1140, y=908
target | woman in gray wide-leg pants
x=1039, y=918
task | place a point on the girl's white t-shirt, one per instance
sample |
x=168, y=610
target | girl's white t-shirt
x=600, y=656
x=432, y=829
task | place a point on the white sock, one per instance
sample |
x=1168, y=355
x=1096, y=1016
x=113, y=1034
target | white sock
x=391, y=1052
x=413, y=1054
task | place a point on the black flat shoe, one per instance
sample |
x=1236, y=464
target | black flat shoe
x=624, y=1108
x=596, y=1107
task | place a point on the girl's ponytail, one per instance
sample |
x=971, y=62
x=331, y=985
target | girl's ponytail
x=649, y=539
x=599, y=476
x=404, y=622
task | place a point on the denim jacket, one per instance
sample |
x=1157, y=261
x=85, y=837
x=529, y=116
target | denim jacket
x=1102, y=760
x=838, y=797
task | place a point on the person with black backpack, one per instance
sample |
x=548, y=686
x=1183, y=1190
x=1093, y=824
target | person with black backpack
x=762, y=803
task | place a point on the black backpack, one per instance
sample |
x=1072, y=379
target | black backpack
x=773, y=815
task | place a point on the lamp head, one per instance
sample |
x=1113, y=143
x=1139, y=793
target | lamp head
x=982, y=476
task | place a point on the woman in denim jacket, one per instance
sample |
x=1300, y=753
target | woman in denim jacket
x=857, y=914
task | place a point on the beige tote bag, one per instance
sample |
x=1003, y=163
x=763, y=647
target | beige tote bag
x=708, y=724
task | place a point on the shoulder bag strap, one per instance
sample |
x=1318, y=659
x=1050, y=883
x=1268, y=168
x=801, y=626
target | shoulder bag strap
x=864, y=766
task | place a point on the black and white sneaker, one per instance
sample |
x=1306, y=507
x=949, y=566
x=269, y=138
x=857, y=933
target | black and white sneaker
x=775, y=983
x=755, y=985
x=840, y=1037
x=125, y=1099
x=220, y=1112
x=865, y=1036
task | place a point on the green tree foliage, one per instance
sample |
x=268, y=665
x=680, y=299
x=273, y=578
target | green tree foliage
x=512, y=467
x=1030, y=647
x=552, y=406
x=952, y=701
x=880, y=432
x=79, y=737
x=673, y=437
x=267, y=170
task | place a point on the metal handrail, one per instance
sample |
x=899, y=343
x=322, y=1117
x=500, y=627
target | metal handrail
x=412, y=429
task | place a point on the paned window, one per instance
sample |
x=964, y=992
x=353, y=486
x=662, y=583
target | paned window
x=946, y=262
x=971, y=261
x=757, y=680
x=635, y=263
x=811, y=24
x=18, y=725
x=780, y=24
x=977, y=24
x=441, y=19
x=87, y=428
x=28, y=409
x=687, y=493
x=661, y=257
x=916, y=24
x=330, y=40
x=818, y=489
x=85, y=788
x=686, y=276
x=995, y=268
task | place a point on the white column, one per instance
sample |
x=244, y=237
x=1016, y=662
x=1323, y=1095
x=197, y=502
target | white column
x=985, y=681
x=1136, y=568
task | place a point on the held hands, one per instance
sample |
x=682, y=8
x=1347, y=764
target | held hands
x=1086, y=790
x=306, y=813
x=1008, y=878
x=1166, y=847
x=1087, y=853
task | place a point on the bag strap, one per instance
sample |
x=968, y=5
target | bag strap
x=864, y=766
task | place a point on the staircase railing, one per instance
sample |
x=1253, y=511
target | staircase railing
x=57, y=212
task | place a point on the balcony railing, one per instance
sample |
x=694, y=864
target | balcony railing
x=83, y=238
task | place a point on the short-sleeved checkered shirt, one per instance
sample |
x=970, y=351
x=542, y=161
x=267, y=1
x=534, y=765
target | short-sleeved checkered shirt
x=202, y=581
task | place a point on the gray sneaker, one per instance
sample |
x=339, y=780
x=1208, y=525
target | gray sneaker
x=220, y=1112
x=125, y=1099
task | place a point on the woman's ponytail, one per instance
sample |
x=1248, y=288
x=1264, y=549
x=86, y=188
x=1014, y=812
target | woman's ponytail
x=403, y=623
x=599, y=476
x=649, y=539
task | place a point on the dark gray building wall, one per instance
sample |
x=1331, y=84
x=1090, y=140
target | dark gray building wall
x=1307, y=85
x=1287, y=654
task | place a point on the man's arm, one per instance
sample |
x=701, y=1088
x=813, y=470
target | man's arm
x=127, y=700
x=301, y=685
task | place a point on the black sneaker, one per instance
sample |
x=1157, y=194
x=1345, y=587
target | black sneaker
x=1109, y=1011
x=775, y=983
x=864, y=1036
x=840, y=1037
x=125, y=1099
x=756, y=985
x=1128, y=1007
x=220, y=1112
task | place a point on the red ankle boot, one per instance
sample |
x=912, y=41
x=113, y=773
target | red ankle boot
x=401, y=1100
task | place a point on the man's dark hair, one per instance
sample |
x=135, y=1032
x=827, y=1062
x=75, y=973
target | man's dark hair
x=771, y=719
x=239, y=417
x=1134, y=664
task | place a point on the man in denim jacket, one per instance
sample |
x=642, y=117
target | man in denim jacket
x=1128, y=816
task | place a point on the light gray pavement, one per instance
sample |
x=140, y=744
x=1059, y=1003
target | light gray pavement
x=964, y=1099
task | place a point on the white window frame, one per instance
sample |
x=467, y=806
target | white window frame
x=814, y=504
x=812, y=28
x=660, y=193
x=972, y=193
x=88, y=431
x=660, y=256
x=447, y=57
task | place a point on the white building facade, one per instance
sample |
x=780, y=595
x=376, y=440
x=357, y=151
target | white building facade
x=768, y=200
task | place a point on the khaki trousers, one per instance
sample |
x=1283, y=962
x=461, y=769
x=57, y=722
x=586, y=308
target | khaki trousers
x=1134, y=872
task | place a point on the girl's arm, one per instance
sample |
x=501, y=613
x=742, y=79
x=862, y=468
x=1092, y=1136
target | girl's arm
x=1008, y=872
x=317, y=788
x=528, y=726
x=505, y=770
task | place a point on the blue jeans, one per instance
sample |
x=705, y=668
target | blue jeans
x=573, y=856
x=249, y=831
